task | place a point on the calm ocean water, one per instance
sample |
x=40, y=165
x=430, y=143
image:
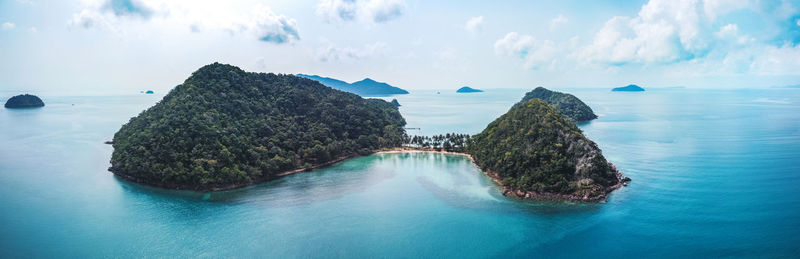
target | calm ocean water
x=715, y=174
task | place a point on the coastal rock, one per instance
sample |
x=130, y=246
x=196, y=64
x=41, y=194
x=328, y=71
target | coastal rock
x=24, y=101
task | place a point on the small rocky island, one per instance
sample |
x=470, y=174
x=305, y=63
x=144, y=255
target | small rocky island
x=468, y=89
x=225, y=128
x=628, y=88
x=24, y=101
x=534, y=152
x=567, y=104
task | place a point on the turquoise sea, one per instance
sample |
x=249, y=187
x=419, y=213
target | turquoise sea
x=716, y=173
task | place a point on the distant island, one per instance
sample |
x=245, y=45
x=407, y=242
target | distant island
x=567, y=104
x=149, y=92
x=468, y=89
x=24, y=101
x=534, y=152
x=366, y=87
x=225, y=128
x=628, y=88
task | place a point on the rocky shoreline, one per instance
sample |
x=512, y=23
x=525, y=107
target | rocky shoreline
x=532, y=196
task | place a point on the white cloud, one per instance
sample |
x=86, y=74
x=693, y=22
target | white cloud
x=374, y=11
x=558, y=21
x=535, y=54
x=261, y=23
x=270, y=27
x=474, y=24
x=771, y=60
x=33, y=30
x=332, y=53
x=8, y=26
x=665, y=31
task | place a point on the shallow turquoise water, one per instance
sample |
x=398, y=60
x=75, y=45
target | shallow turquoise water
x=715, y=173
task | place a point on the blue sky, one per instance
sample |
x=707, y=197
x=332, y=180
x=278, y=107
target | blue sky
x=118, y=46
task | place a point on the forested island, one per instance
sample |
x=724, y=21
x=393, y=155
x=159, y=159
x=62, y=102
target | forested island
x=628, y=88
x=567, y=104
x=535, y=152
x=24, y=101
x=366, y=87
x=225, y=128
x=467, y=89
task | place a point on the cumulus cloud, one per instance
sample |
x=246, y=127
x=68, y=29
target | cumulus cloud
x=261, y=23
x=688, y=33
x=375, y=11
x=270, y=27
x=133, y=8
x=332, y=53
x=663, y=32
x=474, y=24
x=8, y=26
x=535, y=53
x=103, y=14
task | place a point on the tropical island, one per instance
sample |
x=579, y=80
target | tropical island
x=567, y=104
x=535, y=152
x=628, y=88
x=225, y=128
x=467, y=89
x=24, y=101
x=365, y=87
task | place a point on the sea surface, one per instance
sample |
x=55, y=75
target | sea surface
x=716, y=173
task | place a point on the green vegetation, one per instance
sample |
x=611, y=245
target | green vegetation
x=225, y=128
x=567, y=104
x=450, y=142
x=24, y=101
x=534, y=148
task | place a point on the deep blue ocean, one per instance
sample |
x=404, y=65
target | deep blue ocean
x=716, y=173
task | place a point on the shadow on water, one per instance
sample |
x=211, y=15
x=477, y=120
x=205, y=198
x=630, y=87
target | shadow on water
x=341, y=179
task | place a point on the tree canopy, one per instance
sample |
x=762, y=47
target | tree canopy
x=224, y=128
x=567, y=104
x=533, y=147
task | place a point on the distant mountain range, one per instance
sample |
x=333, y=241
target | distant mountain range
x=366, y=87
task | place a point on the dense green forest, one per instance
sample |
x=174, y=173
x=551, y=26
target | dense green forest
x=533, y=147
x=567, y=104
x=224, y=128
